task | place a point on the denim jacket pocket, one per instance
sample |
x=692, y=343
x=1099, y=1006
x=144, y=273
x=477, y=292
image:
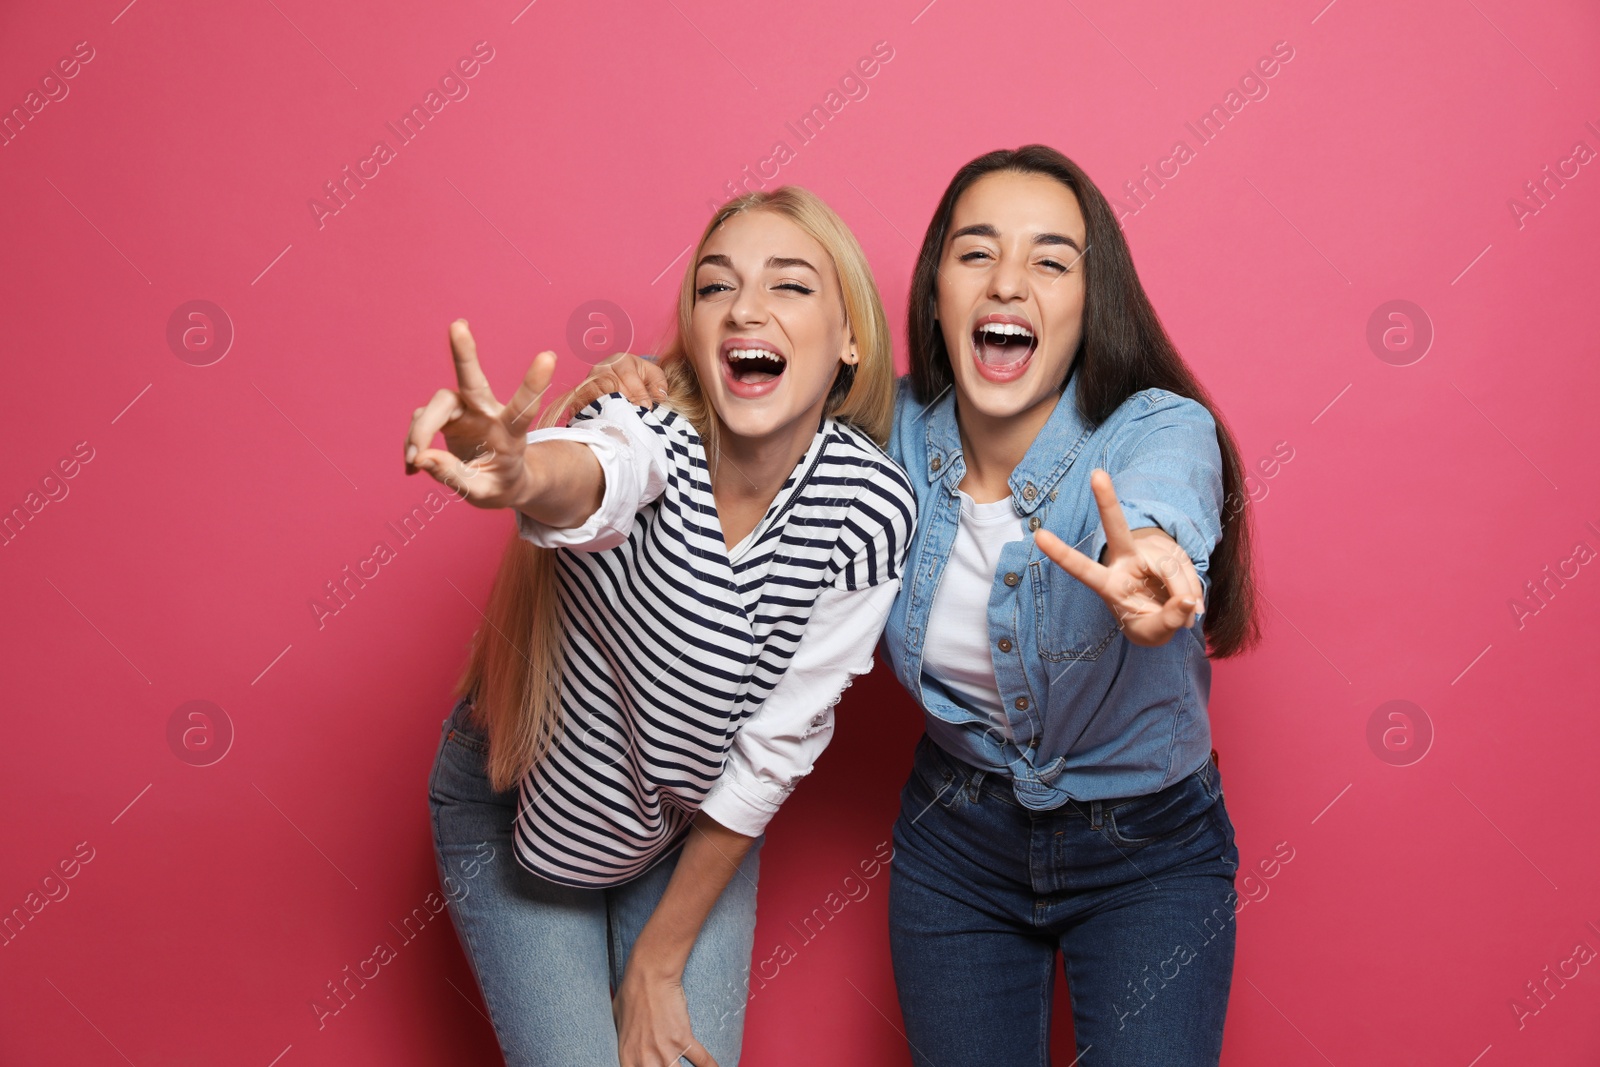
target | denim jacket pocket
x=1071, y=622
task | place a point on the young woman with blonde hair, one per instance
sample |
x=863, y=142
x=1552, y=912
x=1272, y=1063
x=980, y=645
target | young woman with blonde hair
x=689, y=590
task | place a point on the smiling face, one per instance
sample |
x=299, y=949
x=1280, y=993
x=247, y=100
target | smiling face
x=1010, y=292
x=768, y=331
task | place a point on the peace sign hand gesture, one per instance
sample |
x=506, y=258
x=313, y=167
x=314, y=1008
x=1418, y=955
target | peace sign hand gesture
x=486, y=463
x=1147, y=580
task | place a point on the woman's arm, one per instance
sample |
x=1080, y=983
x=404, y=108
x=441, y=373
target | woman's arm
x=632, y=459
x=780, y=744
x=1158, y=524
x=651, y=1012
x=774, y=749
x=563, y=485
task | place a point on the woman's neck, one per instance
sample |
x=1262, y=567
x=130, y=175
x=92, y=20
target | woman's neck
x=993, y=445
x=747, y=473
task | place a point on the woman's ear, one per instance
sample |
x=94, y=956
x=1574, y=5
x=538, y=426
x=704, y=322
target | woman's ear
x=853, y=358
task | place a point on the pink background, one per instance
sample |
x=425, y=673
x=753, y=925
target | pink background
x=183, y=560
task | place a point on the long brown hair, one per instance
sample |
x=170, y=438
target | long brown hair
x=515, y=664
x=1123, y=348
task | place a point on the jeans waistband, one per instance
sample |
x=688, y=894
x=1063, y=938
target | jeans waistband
x=952, y=772
x=946, y=771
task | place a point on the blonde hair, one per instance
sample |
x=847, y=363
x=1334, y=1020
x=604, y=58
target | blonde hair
x=516, y=658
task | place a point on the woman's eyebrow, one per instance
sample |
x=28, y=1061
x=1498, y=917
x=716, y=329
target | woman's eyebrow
x=781, y=262
x=1055, y=239
x=984, y=229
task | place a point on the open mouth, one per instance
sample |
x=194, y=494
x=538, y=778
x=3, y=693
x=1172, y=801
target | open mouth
x=751, y=368
x=1002, y=345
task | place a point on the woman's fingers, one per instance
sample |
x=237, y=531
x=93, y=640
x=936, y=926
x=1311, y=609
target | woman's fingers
x=1119, y=541
x=696, y=1054
x=633, y=387
x=427, y=421
x=1178, y=612
x=640, y=380
x=598, y=384
x=447, y=470
x=1191, y=586
x=1072, y=561
x=1167, y=560
x=655, y=379
x=474, y=387
x=523, y=406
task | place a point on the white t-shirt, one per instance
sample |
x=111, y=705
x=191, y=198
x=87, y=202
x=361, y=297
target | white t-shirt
x=959, y=656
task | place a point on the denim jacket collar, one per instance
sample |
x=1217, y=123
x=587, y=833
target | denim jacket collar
x=1049, y=457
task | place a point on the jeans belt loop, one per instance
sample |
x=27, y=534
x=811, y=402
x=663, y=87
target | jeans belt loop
x=974, y=784
x=1094, y=814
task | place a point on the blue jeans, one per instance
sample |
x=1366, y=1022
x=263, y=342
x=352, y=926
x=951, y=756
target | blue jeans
x=547, y=956
x=1136, y=893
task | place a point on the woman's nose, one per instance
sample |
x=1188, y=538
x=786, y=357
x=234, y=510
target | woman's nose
x=747, y=308
x=1009, y=279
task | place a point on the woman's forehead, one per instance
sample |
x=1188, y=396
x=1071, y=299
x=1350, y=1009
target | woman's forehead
x=750, y=238
x=1018, y=203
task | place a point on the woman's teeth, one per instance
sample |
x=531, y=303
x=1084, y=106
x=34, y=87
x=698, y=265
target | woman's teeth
x=755, y=364
x=1002, y=343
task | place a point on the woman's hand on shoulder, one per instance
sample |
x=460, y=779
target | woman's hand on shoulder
x=485, y=460
x=637, y=378
x=1147, y=580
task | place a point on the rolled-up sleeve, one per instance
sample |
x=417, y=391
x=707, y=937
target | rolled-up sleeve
x=1166, y=467
x=634, y=461
x=778, y=745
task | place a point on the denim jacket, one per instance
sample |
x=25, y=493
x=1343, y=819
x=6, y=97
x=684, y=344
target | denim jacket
x=1089, y=714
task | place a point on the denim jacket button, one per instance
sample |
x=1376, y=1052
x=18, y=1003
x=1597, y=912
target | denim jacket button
x=1033, y=522
x=1005, y=644
x=1012, y=578
x=1022, y=704
x=1029, y=492
x=937, y=463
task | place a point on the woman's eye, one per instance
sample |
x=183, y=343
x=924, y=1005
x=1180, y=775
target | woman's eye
x=714, y=287
x=965, y=256
x=797, y=287
x=1053, y=265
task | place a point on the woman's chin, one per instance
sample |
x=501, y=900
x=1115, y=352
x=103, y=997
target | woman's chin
x=751, y=417
x=775, y=414
x=999, y=396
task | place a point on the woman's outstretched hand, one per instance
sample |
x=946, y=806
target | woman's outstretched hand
x=486, y=462
x=638, y=379
x=1147, y=580
x=652, y=1017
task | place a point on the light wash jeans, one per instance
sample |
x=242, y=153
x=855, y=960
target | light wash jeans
x=547, y=956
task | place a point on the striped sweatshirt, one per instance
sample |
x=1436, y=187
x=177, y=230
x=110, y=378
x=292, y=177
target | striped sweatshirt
x=695, y=676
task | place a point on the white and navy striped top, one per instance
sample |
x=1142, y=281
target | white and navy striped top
x=676, y=680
